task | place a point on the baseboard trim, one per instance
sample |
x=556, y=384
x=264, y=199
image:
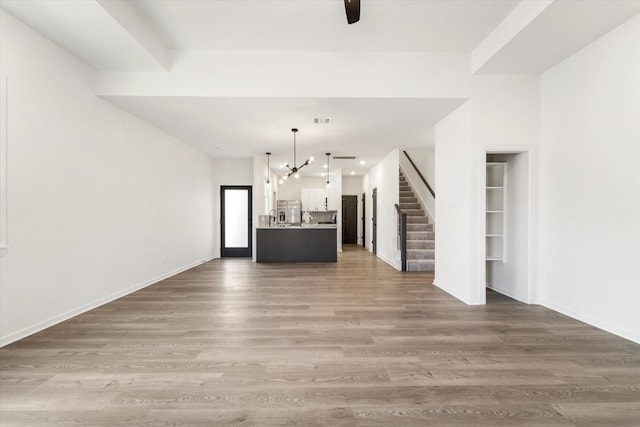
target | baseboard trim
x=505, y=293
x=391, y=263
x=40, y=326
x=456, y=296
x=605, y=326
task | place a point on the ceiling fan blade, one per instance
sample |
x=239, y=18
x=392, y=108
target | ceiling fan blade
x=353, y=10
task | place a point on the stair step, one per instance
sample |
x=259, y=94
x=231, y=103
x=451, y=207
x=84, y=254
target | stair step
x=417, y=219
x=421, y=265
x=421, y=244
x=410, y=206
x=408, y=200
x=421, y=235
x=419, y=227
x=411, y=212
x=421, y=253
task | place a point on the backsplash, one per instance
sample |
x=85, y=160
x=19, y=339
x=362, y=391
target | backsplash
x=320, y=217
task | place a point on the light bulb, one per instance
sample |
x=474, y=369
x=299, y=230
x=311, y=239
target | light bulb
x=328, y=185
x=311, y=159
x=281, y=182
x=286, y=164
x=284, y=177
x=296, y=175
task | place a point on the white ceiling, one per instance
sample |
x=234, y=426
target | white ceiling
x=563, y=28
x=242, y=127
x=320, y=25
x=117, y=37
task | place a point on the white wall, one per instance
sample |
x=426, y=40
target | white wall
x=352, y=186
x=292, y=189
x=384, y=177
x=590, y=184
x=334, y=200
x=425, y=160
x=453, y=258
x=99, y=202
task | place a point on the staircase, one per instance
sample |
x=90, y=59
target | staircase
x=420, y=234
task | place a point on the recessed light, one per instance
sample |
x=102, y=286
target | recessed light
x=362, y=162
x=353, y=172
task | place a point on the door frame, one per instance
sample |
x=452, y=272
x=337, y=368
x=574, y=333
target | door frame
x=478, y=290
x=354, y=200
x=364, y=219
x=237, y=252
x=374, y=220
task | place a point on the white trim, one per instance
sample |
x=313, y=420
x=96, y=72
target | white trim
x=632, y=335
x=4, y=164
x=461, y=298
x=393, y=264
x=501, y=291
x=30, y=330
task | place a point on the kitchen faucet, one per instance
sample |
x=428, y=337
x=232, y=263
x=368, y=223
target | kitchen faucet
x=272, y=216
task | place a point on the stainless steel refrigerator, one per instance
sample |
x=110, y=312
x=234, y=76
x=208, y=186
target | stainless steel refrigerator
x=289, y=211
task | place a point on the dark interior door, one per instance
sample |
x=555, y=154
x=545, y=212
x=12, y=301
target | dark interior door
x=350, y=219
x=374, y=219
x=364, y=219
x=235, y=221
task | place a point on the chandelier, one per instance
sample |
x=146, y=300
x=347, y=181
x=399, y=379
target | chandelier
x=293, y=170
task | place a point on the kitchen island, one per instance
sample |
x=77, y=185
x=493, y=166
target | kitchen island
x=304, y=243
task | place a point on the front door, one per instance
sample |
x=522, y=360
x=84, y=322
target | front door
x=350, y=219
x=235, y=221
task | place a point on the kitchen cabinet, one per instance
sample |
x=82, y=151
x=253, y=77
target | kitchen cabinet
x=314, y=199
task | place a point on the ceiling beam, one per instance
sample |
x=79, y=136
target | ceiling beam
x=298, y=74
x=519, y=18
x=539, y=34
x=137, y=28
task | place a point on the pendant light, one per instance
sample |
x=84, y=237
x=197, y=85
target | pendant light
x=328, y=155
x=268, y=167
x=293, y=170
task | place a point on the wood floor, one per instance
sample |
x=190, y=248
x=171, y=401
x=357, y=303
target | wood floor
x=354, y=343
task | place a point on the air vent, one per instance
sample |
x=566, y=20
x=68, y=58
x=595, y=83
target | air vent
x=344, y=157
x=322, y=121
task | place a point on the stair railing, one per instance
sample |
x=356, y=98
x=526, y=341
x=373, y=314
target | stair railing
x=402, y=235
x=433, y=193
x=425, y=193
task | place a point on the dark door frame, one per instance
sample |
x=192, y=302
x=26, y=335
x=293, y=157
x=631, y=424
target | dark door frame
x=236, y=252
x=364, y=219
x=374, y=219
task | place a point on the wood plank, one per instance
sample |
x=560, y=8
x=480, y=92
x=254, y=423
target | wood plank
x=348, y=343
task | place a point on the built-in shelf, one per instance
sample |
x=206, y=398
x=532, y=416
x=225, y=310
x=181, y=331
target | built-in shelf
x=495, y=211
